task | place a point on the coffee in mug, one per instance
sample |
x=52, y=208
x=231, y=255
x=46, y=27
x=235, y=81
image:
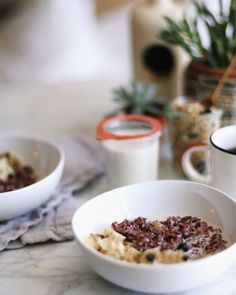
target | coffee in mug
x=221, y=158
x=232, y=150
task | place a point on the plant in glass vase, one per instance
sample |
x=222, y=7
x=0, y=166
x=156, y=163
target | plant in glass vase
x=208, y=61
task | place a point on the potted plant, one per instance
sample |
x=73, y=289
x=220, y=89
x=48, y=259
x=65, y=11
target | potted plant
x=139, y=98
x=208, y=61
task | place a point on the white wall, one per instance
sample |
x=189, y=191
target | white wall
x=58, y=40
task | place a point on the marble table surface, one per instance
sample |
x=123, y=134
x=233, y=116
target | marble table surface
x=59, y=268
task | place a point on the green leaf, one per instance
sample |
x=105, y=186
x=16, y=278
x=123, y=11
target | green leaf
x=221, y=29
x=233, y=4
x=221, y=8
x=139, y=98
x=204, y=12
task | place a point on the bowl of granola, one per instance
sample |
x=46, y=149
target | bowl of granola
x=144, y=236
x=30, y=169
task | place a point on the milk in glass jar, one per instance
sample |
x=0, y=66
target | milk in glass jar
x=131, y=144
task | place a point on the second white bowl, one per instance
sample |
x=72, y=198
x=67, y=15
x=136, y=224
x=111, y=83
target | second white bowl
x=46, y=159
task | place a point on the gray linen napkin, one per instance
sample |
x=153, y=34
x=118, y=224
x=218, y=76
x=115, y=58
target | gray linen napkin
x=52, y=221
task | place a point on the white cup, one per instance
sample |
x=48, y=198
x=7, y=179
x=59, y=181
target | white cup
x=222, y=161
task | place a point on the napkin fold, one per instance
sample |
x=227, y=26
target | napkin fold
x=84, y=162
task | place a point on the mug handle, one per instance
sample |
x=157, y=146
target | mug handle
x=188, y=167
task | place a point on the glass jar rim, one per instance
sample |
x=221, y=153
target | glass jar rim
x=103, y=134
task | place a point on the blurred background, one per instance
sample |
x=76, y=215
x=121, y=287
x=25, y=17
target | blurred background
x=53, y=41
x=61, y=40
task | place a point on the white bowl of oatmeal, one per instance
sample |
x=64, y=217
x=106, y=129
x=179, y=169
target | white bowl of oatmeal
x=161, y=236
x=30, y=170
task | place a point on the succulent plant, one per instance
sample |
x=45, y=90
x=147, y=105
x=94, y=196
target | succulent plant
x=221, y=30
x=138, y=98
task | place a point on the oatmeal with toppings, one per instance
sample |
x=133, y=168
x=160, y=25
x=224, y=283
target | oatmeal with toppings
x=13, y=174
x=173, y=240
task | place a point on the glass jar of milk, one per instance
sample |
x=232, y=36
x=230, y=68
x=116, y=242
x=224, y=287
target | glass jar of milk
x=131, y=145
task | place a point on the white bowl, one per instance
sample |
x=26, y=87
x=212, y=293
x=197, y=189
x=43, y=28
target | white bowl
x=157, y=200
x=46, y=159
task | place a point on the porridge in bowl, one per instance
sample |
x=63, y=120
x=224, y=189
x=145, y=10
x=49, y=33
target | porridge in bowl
x=173, y=240
x=14, y=174
x=159, y=200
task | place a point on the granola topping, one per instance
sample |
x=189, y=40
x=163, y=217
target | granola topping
x=13, y=174
x=172, y=240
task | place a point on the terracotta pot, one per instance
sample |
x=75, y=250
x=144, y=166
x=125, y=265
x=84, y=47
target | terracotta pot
x=200, y=81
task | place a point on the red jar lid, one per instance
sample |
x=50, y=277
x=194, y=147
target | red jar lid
x=105, y=127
